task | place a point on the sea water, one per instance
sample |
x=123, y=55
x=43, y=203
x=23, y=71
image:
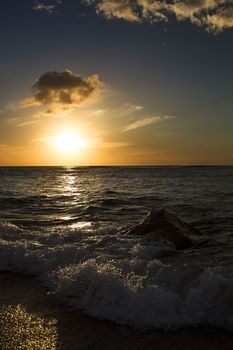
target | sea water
x=67, y=226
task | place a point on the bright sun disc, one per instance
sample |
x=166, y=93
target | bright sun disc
x=69, y=143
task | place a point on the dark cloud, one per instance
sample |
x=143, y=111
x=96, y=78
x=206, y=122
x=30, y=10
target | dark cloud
x=63, y=88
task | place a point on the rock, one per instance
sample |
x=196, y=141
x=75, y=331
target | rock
x=164, y=225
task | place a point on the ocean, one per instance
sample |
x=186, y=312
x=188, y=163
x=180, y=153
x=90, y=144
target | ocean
x=67, y=226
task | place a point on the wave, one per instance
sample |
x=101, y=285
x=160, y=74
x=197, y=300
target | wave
x=101, y=292
x=9, y=201
x=119, y=278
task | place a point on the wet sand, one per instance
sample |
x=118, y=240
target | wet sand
x=30, y=318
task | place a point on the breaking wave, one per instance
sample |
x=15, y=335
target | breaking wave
x=119, y=278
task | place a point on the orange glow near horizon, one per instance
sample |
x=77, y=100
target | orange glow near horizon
x=85, y=141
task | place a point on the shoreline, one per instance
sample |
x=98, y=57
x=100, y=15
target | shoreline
x=32, y=318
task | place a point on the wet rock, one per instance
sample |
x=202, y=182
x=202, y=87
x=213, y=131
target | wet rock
x=164, y=225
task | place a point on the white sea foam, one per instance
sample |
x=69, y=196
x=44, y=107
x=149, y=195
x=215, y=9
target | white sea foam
x=118, y=278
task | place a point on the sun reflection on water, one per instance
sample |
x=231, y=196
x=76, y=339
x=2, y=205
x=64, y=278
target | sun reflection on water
x=69, y=184
x=79, y=225
x=20, y=329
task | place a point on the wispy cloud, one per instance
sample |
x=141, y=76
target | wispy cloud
x=97, y=113
x=131, y=108
x=102, y=144
x=3, y=146
x=46, y=5
x=26, y=123
x=125, y=110
x=10, y=107
x=147, y=121
x=54, y=112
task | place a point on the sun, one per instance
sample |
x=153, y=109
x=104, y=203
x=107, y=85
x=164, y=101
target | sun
x=68, y=142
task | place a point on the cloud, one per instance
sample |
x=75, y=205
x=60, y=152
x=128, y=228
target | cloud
x=221, y=20
x=147, y=121
x=29, y=122
x=120, y=9
x=97, y=113
x=3, y=146
x=125, y=110
x=54, y=112
x=10, y=107
x=213, y=15
x=102, y=144
x=46, y=5
x=62, y=88
x=130, y=10
x=131, y=108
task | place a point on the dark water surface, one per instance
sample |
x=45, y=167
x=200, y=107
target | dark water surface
x=66, y=225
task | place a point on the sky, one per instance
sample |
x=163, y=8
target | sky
x=116, y=82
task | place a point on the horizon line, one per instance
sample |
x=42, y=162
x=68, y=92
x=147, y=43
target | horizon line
x=112, y=166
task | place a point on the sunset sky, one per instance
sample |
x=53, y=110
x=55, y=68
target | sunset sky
x=106, y=82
